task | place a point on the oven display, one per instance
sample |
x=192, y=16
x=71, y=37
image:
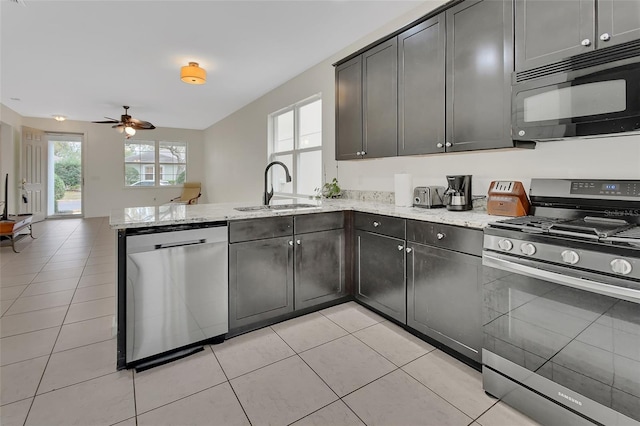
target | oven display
x=611, y=189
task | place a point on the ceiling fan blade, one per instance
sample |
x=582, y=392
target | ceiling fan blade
x=141, y=125
x=106, y=122
x=117, y=126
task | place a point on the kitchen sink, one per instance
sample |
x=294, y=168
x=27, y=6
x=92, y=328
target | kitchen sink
x=278, y=207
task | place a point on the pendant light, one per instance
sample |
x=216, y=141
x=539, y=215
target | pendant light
x=193, y=74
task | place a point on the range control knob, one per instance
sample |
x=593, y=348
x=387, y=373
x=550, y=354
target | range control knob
x=621, y=266
x=528, y=249
x=505, y=245
x=570, y=257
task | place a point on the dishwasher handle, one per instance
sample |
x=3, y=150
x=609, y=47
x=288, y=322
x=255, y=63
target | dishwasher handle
x=180, y=244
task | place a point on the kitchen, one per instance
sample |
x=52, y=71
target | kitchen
x=226, y=142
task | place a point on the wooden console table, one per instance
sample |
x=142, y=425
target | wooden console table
x=11, y=228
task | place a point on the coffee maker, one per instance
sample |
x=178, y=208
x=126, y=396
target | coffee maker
x=458, y=193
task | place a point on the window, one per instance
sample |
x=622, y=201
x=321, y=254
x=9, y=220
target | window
x=143, y=158
x=296, y=140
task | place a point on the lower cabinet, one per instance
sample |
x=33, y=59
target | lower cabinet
x=444, y=302
x=260, y=280
x=379, y=273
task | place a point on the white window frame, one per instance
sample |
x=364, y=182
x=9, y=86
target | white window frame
x=272, y=154
x=156, y=165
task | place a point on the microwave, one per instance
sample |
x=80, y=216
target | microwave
x=592, y=95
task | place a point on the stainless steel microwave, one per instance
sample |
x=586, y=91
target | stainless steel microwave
x=583, y=96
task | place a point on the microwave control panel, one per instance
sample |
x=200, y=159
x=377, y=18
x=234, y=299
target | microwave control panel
x=606, y=188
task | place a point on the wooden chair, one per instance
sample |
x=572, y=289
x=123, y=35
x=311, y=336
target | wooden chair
x=190, y=193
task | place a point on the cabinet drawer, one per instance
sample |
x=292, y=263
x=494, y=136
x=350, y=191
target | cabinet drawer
x=385, y=225
x=318, y=222
x=258, y=229
x=465, y=240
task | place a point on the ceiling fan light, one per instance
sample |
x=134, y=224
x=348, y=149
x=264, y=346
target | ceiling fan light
x=130, y=131
x=193, y=74
x=59, y=117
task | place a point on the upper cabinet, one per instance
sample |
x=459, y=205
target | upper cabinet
x=547, y=32
x=421, y=87
x=349, y=109
x=479, y=67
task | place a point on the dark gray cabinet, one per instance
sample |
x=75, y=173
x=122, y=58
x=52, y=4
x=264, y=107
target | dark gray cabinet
x=380, y=265
x=479, y=64
x=349, y=109
x=379, y=96
x=547, y=32
x=421, y=87
x=260, y=280
x=444, y=286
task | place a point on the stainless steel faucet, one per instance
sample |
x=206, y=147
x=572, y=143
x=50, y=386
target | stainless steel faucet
x=268, y=195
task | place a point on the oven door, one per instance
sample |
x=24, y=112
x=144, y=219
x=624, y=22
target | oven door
x=578, y=331
x=588, y=102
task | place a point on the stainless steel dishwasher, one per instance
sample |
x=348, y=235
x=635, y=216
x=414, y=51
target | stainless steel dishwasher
x=176, y=291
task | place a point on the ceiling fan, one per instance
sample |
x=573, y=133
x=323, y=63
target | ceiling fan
x=127, y=124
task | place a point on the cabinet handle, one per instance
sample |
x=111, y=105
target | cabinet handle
x=290, y=242
x=440, y=235
x=409, y=249
x=440, y=145
x=376, y=224
x=605, y=37
x=448, y=144
x=358, y=153
x=586, y=42
x=400, y=248
x=298, y=242
x=363, y=153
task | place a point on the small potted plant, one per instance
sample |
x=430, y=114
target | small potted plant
x=329, y=190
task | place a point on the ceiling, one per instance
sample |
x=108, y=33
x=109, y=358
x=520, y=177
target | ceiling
x=85, y=59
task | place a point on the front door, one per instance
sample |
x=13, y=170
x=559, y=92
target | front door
x=34, y=173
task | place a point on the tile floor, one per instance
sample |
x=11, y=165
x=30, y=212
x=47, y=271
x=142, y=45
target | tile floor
x=341, y=366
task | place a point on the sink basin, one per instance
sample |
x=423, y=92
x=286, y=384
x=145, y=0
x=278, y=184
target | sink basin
x=278, y=207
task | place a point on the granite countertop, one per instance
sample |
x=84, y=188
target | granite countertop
x=172, y=214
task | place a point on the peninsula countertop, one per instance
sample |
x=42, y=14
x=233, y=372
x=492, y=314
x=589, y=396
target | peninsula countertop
x=176, y=214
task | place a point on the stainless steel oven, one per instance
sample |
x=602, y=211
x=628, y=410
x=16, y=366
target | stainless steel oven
x=597, y=93
x=561, y=315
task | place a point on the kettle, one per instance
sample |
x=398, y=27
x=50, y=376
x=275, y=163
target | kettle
x=458, y=193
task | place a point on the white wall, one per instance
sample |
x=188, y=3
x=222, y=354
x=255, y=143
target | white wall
x=103, y=154
x=236, y=147
x=10, y=123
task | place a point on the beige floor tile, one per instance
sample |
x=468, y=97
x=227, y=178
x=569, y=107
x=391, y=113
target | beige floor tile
x=55, y=266
x=101, y=268
x=85, y=333
x=453, y=380
x=69, y=257
x=20, y=380
x=503, y=415
x=71, y=251
x=10, y=293
x=128, y=422
x=351, y=316
x=281, y=393
x=51, y=286
x=398, y=399
x=94, y=292
x=41, y=301
x=214, y=406
x=57, y=275
x=17, y=280
x=393, y=342
x=89, y=280
x=28, y=268
x=99, y=260
x=170, y=382
x=308, y=331
x=11, y=325
x=19, y=261
x=5, y=305
x=15, y=414
x=336, y=414
x=346, y=364
x=103, y=251
x=102, y=401
x=27, y=346
x=92, y=309
x=78, y=365
x=251, y=351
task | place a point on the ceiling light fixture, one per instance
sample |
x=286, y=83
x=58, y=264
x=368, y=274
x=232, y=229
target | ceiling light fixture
x=193, y=74
x=59, y=117
x=130, y=131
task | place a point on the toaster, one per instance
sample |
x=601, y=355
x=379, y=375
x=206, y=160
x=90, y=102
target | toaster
x=428, y=196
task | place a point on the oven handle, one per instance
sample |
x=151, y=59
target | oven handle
x=580, y=283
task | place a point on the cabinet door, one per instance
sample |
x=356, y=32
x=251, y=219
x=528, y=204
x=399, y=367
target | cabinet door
x=549, y=31
x=444, y=302
x=380, y=281
x=349, y=109
x=479, y=67
x=620, y=20
x=380, y=103
x=319, y=267
x=421, y=87
x=260, y=280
